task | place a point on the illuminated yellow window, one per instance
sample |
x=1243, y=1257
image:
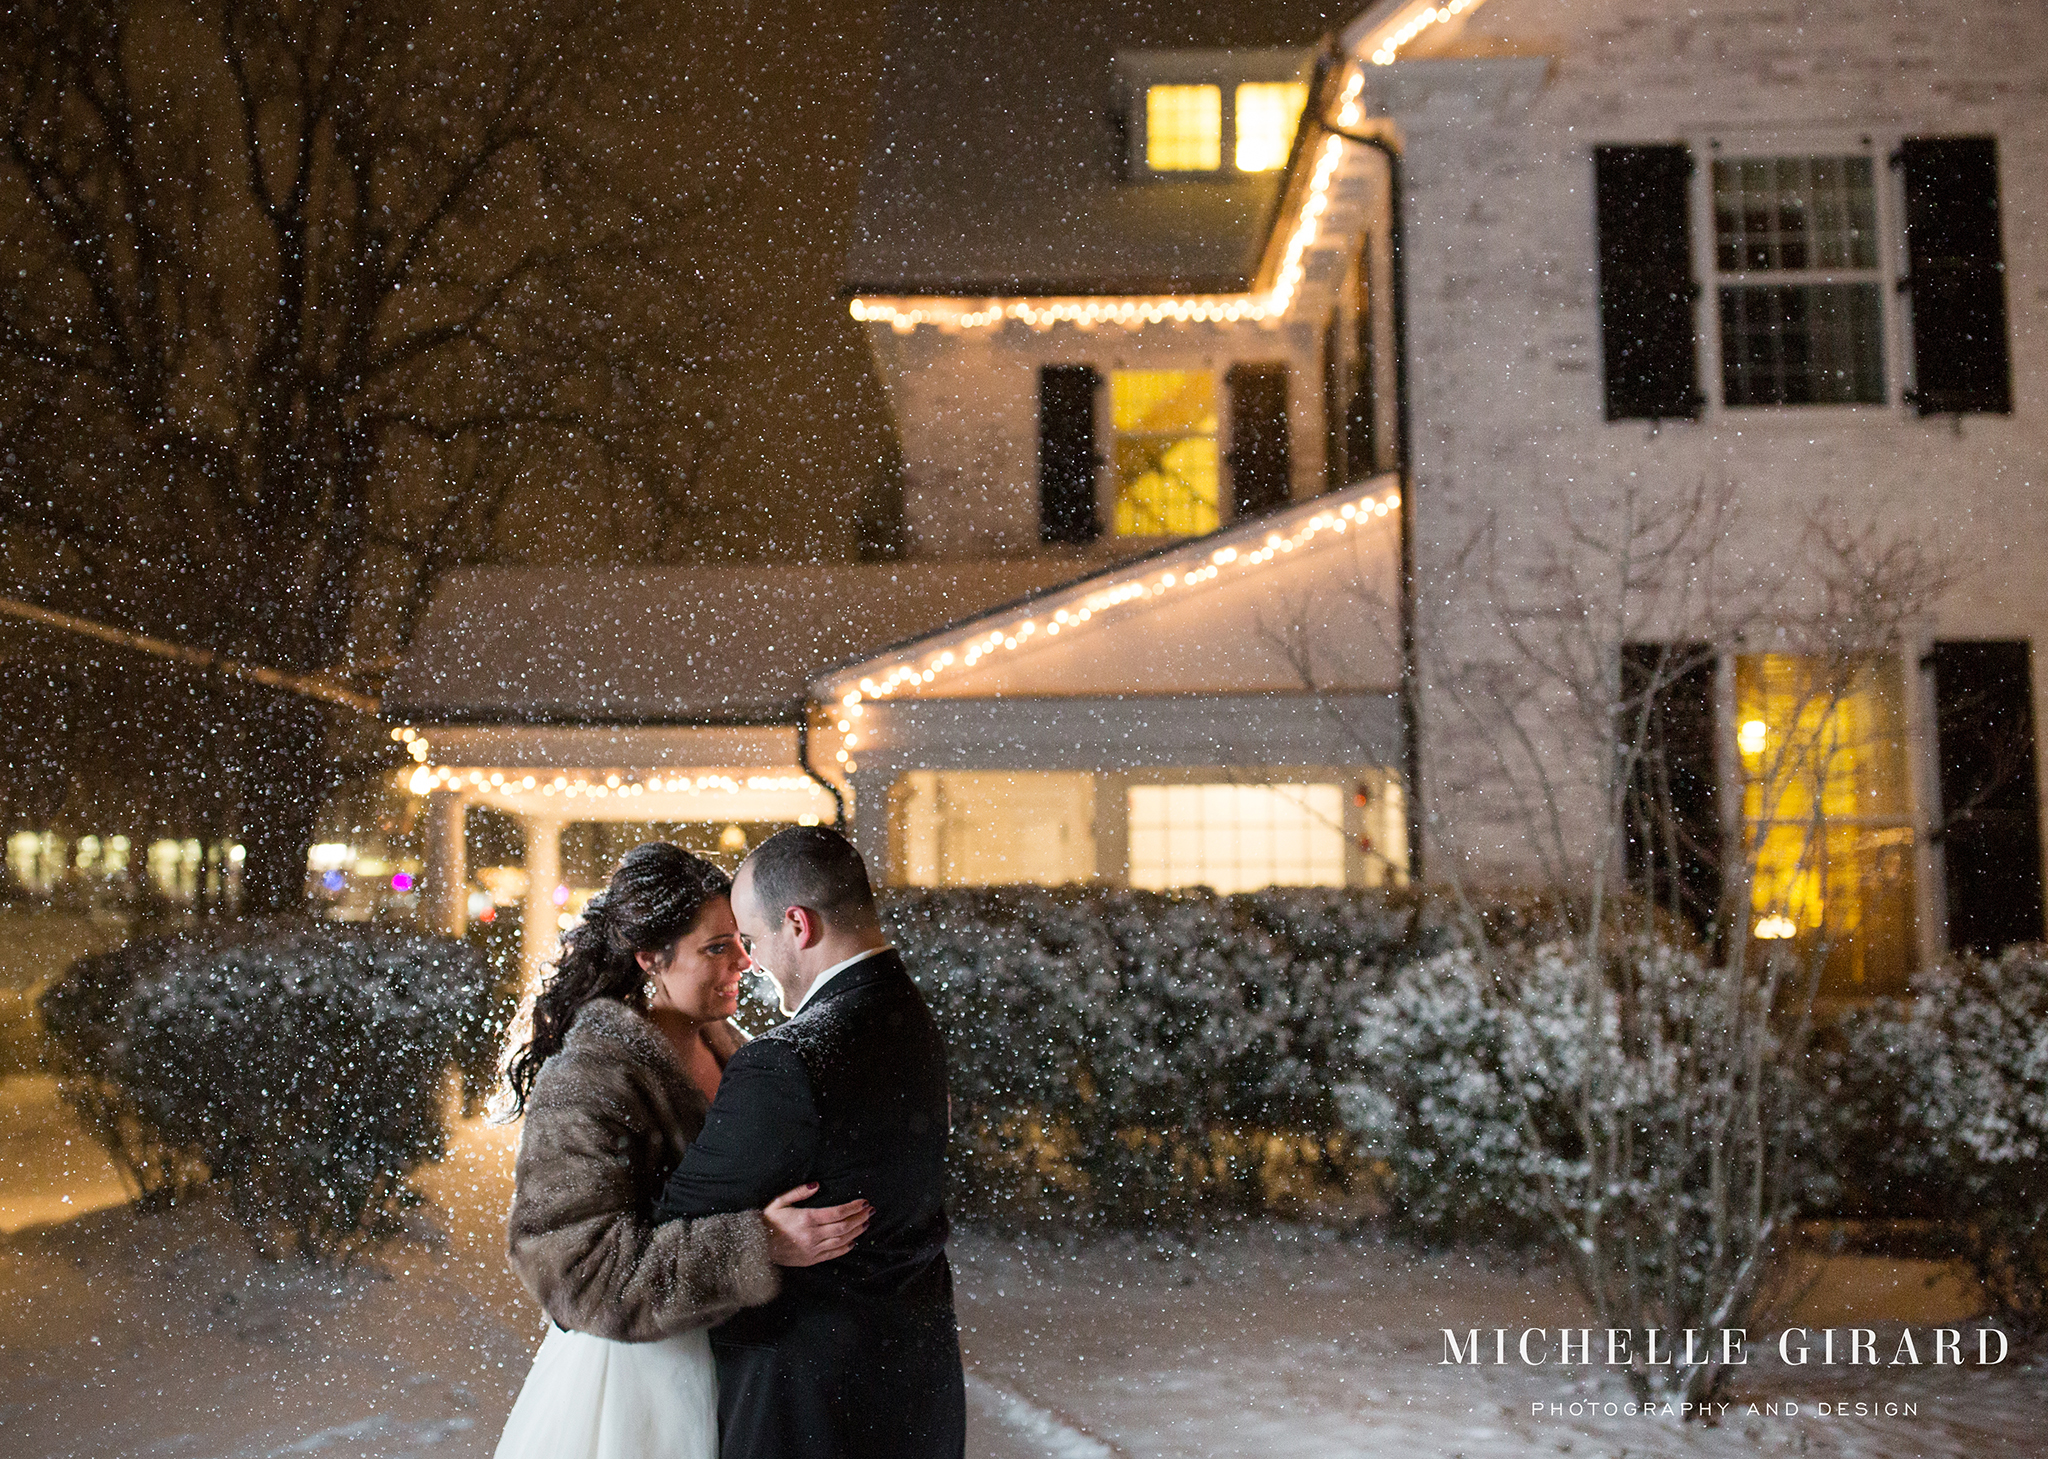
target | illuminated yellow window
x=1183, y=128
x=1827, y=829
x=1166, y=464
x=1236, y=838
x=1267, y=114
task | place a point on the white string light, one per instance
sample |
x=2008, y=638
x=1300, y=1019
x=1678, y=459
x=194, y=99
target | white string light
x=903, y=315
x=611, y=785
x=1019, y=633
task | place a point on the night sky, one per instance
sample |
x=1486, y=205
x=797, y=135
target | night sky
x=762, y=105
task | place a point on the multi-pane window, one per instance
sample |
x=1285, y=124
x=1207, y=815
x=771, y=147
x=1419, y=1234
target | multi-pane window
x=1828, y=835
x=1184, y=128
x=1236, y=838
x=1165, y=455
x=1799, y=289
x=1188, y=128
x=1268, y=112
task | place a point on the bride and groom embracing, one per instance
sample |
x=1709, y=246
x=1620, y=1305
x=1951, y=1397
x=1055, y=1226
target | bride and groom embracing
x=740, y=1243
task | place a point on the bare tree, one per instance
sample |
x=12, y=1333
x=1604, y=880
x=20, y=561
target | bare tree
x=1665, y=1162
x=295, y=297
x=1642, y=1071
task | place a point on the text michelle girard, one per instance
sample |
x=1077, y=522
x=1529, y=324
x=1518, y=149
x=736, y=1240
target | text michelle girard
x=1627, y=1347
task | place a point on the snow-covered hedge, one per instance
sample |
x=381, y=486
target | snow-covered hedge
x=1942, y=1103
x=300, y=1067
x=1129, y=1057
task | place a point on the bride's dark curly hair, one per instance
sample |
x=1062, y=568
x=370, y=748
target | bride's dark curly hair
x=655, y=896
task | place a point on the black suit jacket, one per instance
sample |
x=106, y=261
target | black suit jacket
x=858, y=1356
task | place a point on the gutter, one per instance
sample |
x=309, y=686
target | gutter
x=803, y=759
x=1328, y=64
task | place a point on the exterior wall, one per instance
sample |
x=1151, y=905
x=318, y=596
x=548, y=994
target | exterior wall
x=1505, y=343
x=966, y=408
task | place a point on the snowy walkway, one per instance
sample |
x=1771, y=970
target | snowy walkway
x=159, y=1336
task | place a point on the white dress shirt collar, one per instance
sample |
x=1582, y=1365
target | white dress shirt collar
x=835, y=970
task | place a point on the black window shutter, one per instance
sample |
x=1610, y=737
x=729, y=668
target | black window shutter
x=1642, y=208
x=1990, y=802
x=1066, y=453
x=1672, y=820
x=1259, y=464
x=1955, y=272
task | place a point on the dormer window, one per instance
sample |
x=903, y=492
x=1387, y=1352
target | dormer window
x=1183, y=128
x=1268, y=112
x=1192, y=114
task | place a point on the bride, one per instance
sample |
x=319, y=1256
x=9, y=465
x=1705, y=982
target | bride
x=629, y=1039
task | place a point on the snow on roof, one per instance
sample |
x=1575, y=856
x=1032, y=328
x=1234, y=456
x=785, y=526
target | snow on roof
x=700, y=645
x=995, y=153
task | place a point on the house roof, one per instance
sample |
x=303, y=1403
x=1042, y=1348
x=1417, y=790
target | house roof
x=995, y=153
x=1311, y=589
x=703, y=645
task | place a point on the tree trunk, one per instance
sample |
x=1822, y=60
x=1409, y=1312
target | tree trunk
x=285, y=776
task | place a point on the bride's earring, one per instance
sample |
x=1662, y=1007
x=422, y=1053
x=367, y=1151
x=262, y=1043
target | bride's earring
x=648, y=989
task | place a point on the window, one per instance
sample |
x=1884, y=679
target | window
x=1184, y=128
x=1236, y=838
x=1800, y=296
x=1219, y=114
x=1827, y=832
x=1268, y=112
x=1165, y=455
x=952, y=828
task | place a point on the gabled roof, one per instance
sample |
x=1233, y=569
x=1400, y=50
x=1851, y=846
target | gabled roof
x=700, y=645
x=1310, y=589
x=994, y=156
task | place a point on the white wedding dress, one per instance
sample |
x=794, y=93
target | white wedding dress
x=590, y=1398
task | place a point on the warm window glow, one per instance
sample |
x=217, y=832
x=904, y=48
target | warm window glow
x=1236, y=838
x=1166, y=461
x=1183, y=128
x=967, y=828
x=1267, y=114
x=1825, y=814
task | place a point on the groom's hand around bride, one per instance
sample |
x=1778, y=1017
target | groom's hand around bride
x=806, y=1236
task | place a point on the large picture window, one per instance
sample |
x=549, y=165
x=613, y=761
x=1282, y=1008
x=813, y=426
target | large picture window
x=1827, y=829
x=1797, y=272
x=1236, y=838
x=1165, y=459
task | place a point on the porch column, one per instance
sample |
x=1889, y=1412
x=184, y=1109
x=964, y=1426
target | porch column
x=538, y=929
x=446, y=903
x=867, y=826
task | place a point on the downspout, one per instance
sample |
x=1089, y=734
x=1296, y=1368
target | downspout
x=1404, y=458
x=803, y=759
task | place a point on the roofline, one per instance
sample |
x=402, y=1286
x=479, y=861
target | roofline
x=1206, y=546
x=1040, y=288
x=788, y=715
x=1390, y=24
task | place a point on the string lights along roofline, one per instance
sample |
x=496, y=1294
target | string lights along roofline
x=913, y=672
x=904, y=314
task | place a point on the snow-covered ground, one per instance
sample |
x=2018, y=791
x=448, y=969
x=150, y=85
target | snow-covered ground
x=128, y=1335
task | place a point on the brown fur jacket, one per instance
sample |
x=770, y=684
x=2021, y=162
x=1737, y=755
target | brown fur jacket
x=607, y=1119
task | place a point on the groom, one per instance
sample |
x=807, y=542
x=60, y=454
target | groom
x=859, y=1358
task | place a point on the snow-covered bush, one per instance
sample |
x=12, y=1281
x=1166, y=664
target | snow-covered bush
x=1131, y=1057
x=1942, y=1106
x=300, y=1067
x=1643, y=1112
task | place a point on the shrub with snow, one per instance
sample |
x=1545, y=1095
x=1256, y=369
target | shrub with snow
x=1942, y=1101
x=1133, y=1058
x=1643, y=1111
x=300, y=1067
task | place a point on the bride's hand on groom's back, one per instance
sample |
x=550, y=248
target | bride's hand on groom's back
x=805, y=1236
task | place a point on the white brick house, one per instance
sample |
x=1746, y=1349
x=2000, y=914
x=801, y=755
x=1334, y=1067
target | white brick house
x=1290, y=434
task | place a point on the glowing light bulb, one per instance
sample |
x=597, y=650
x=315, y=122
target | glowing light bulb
x=1753, y=736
